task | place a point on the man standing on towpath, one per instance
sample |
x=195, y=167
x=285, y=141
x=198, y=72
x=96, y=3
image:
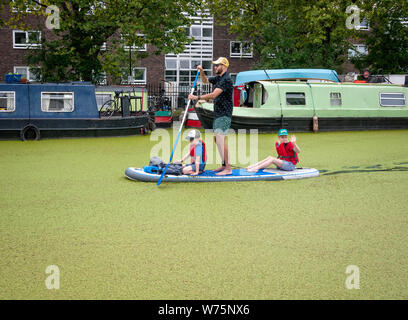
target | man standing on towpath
x=223, y=106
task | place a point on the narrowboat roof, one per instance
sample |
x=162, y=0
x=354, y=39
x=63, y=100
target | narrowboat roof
x=119, y=88
x=286, y=74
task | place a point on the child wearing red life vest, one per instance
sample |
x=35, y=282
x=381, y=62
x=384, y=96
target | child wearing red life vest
x=287, y=154
x=198, y=154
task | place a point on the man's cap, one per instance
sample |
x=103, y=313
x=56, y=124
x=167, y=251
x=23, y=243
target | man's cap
x=222, y=60
x=193, y=134
x=283, y=132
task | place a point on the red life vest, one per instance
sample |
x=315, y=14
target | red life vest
x=285, y=152
x=192, y=152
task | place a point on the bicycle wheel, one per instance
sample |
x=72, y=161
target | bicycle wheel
x=108, y=108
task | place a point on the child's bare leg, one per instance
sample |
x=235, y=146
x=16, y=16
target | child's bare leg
x=260, y=163
x=263, y=164
x=278, y=163
x=187, y=170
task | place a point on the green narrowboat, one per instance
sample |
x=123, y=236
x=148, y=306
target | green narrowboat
x=303, y=100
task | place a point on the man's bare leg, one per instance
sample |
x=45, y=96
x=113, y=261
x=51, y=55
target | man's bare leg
x=225, y=156
x=218, y=143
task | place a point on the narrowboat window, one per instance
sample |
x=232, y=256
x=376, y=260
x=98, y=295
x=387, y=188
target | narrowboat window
x=7, y=101
x=101, y=98
x=295, y=98
x=57, y=101
x=335, y=99
x=392, y=100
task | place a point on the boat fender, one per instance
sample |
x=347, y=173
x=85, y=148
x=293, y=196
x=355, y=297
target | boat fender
x=30, y=132
x=315, y=123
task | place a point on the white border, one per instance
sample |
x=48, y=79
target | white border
x=14, y=98
x=26, y=45
x=400, y=106
x=59, y=92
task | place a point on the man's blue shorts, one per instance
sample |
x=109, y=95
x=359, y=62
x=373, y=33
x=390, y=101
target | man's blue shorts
x=221, y=125
x=287, y=166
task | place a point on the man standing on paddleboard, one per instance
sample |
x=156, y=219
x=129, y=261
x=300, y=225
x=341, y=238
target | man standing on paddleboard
x=223, y=106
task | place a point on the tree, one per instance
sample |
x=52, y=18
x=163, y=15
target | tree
x=290, y=33
x=387, y=38
x=86, y=25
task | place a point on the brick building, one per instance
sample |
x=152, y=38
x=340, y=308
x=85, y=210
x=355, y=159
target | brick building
x=210, y=42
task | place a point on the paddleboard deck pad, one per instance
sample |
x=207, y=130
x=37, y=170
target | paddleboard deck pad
x=269, y=174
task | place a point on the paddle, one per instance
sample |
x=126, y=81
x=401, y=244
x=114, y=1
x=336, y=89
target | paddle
x=181, y=127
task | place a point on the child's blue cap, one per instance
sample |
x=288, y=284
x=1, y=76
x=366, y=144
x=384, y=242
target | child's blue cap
x=283, y=132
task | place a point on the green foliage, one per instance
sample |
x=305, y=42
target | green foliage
x=85, y=25
x=295, y=33
x=387, y=39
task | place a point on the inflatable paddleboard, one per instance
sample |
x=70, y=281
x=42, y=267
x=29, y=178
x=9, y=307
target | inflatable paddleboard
x=138, y=174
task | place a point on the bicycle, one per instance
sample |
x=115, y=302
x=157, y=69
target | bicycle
x=110, y=107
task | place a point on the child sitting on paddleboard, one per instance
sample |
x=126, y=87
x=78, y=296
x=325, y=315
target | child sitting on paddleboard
x=287, y=154
x=198, y=154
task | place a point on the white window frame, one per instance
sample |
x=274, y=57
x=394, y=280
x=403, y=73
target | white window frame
x=27, y=73
x=389, y=105
x=333, y=98
x=36, y=7
x=144, y=75
x=14, y=101
x=201, y=27
x=26, y=45
x=240, y=54
x=353, y=52
x=294, y=92
x=43, y=109
x=363, y=27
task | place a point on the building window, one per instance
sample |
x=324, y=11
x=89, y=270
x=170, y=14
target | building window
x=198, y=31
x=57, y=101
x=139, y=75
x=392, y=100
x=335, y=99
x=26, y=39
x=7, y=101
x=240, y=49
x=295, y=99
x=182, y=68
x=26, y=73
x=364, y=25
x=28, y=6
x=359, y=49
